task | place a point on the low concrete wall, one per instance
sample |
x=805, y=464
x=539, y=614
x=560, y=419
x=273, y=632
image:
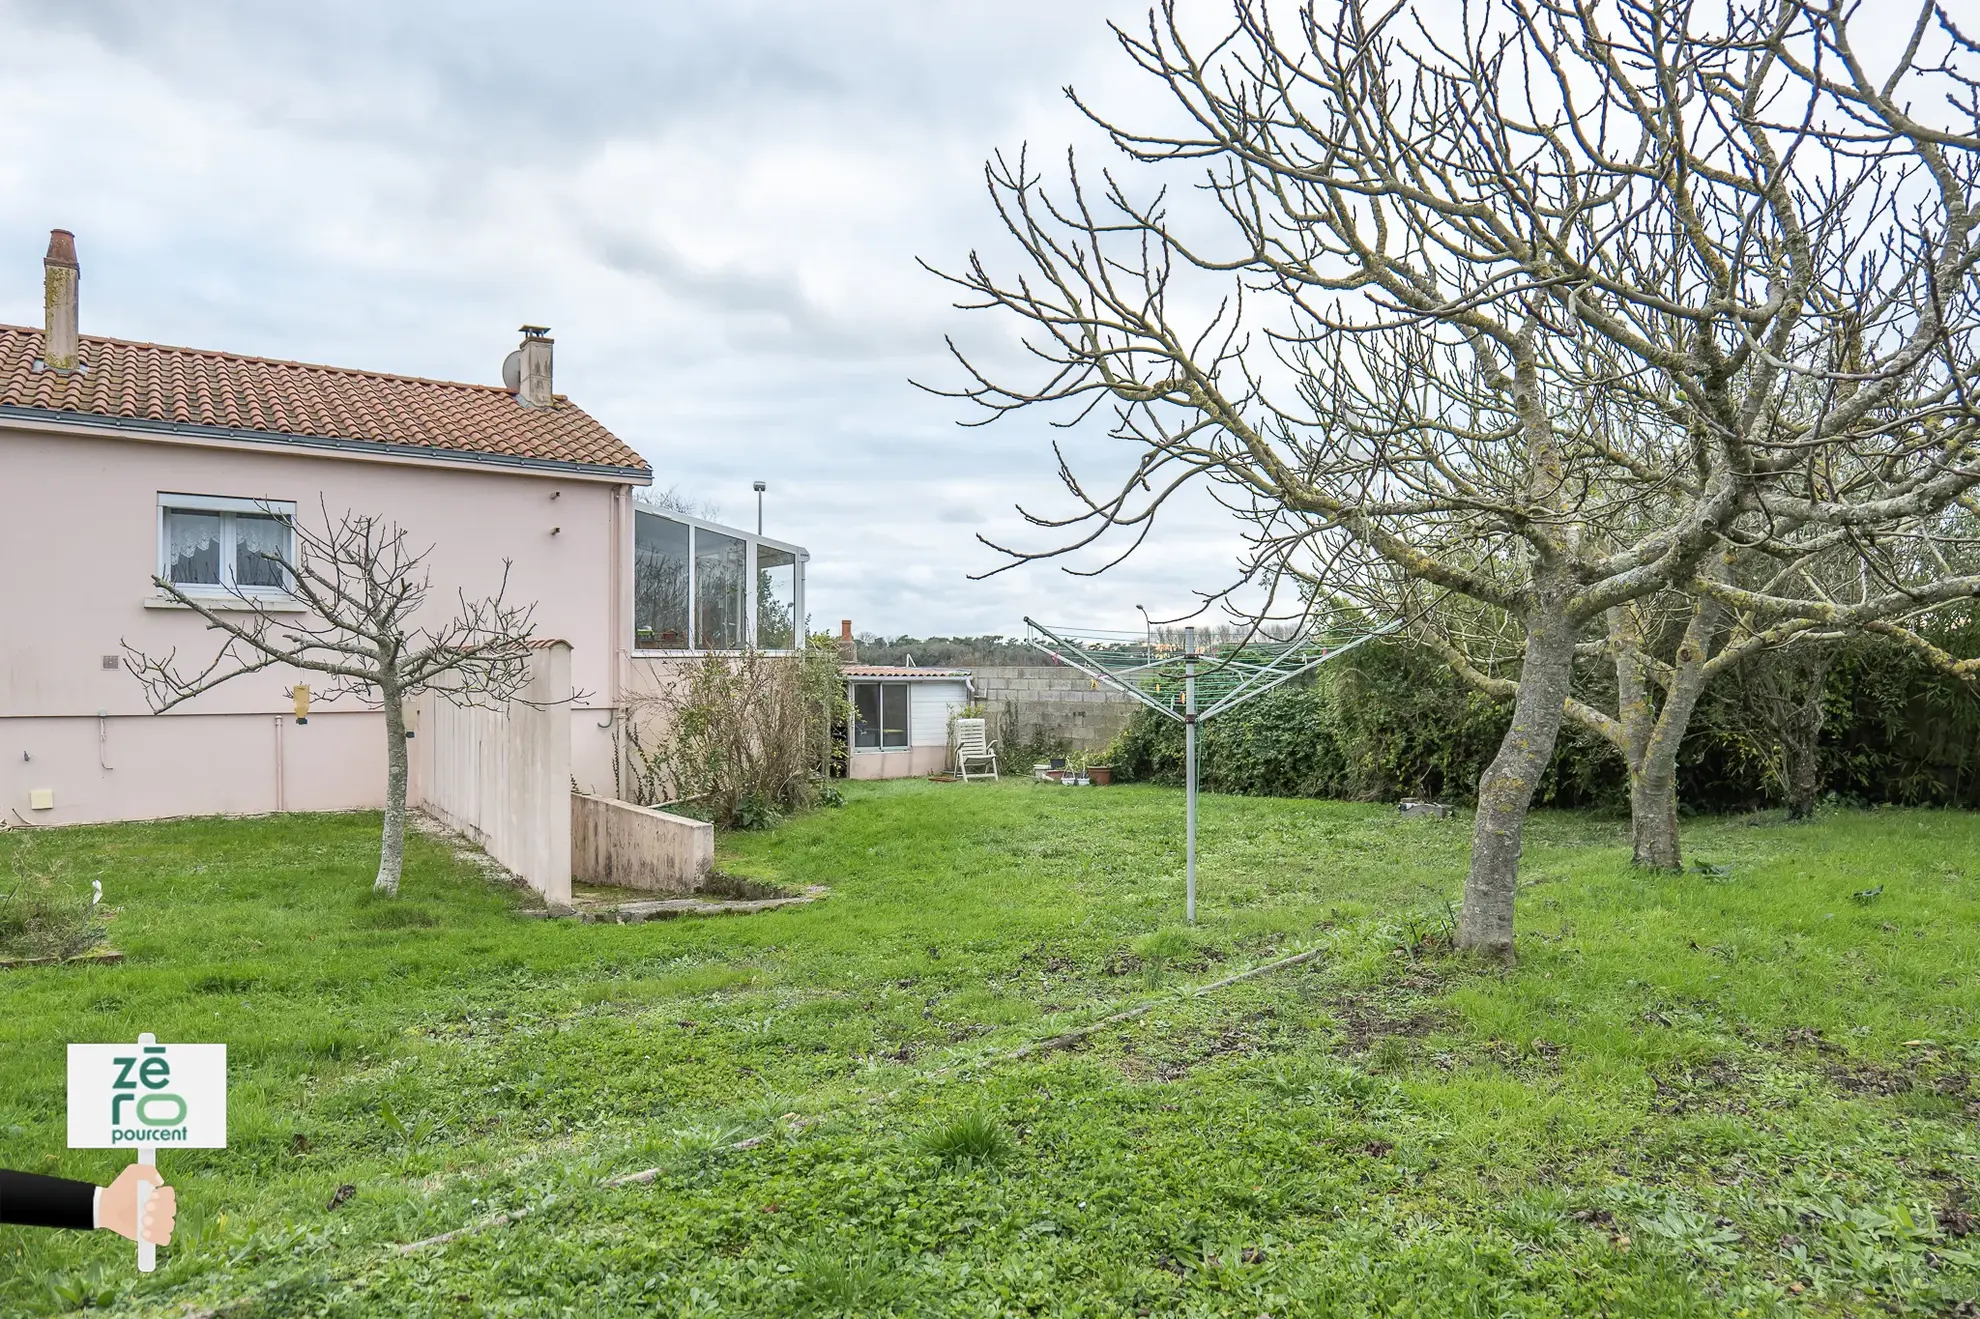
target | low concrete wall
x=912, y=763
x=617, y=843
x=1051, y=705
x=500, y=775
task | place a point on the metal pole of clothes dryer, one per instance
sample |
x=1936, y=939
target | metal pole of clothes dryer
x=1189, y=755
x=1141, y=666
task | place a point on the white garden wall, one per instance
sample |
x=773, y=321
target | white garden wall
x=502, y=776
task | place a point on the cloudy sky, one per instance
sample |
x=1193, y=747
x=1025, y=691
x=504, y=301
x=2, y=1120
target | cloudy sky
x=716, y=207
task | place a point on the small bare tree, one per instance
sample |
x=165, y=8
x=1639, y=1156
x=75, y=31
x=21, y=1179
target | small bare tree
x=363, y=592
x=1543, y=304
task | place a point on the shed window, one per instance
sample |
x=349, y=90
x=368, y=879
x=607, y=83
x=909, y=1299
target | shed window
x=227, y=546
x=880, y=716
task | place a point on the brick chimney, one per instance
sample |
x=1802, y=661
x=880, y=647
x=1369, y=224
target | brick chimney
x=60, y=276
x=848, y=648
x=534, y=390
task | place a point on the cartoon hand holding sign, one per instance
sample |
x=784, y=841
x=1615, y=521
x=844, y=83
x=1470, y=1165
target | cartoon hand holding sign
x=140, y=1097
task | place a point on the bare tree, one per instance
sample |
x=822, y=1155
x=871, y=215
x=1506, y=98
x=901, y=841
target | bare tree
x=1776, y=600
x=1543, y=307
x=676, y=500
x=363, y=593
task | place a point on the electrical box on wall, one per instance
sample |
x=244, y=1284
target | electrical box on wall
x=41, y=799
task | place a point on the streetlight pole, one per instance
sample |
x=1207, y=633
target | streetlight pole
x=759, y=487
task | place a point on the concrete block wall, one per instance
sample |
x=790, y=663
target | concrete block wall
x=1051, y=705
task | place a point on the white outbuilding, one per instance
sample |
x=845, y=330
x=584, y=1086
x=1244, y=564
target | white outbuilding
x=902, y=719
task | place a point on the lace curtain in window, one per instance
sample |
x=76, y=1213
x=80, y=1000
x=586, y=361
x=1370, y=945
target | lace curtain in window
x=192, y=547
x=259, y=544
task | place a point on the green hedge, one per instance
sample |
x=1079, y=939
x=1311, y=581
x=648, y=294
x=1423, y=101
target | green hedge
x=1391, y=721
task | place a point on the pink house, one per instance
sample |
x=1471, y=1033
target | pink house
x=120, y=461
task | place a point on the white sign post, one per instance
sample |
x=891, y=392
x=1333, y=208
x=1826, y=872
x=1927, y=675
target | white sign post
x=142, y=1096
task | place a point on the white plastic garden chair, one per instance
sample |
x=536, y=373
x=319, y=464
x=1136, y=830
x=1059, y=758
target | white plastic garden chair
x=973, y=747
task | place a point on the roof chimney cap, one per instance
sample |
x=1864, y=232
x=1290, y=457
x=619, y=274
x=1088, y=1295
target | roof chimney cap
x=533, y=384
x=61, y=248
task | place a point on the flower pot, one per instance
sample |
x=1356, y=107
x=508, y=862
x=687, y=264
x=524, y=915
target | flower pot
x=1102, y=775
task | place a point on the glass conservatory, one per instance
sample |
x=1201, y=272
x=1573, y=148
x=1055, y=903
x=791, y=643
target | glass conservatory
x=701, y=586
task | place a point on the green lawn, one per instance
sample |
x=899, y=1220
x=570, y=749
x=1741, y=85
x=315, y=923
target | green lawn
x=1725, y=1093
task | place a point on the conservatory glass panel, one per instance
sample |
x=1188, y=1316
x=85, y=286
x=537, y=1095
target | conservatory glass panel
x=776, y=599
x=660, y=583
x=720, y=568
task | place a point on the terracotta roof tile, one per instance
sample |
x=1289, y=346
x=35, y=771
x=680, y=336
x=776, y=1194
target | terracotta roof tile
x=188, y=386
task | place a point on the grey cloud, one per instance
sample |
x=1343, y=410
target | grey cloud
x=722, y=289
x=716, y=206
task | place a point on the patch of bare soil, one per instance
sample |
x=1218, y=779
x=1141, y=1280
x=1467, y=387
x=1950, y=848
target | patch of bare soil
x=1717, y=1086
x=1172, y=1054
x=1861, y=1078
x=1042, y=958
x=1363, y=1021
x=1956, y=1215
x=1923, y=1068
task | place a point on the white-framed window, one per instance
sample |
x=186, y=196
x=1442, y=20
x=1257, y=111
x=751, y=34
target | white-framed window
x=218, y=545
x=701, y=586
x=880, y=716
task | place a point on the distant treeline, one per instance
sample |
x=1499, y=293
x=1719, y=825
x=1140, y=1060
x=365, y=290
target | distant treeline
x=1391, y=721
x=946, y=652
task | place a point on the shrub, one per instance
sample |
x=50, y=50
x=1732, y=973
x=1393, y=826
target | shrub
x=1391, y=721
x=42, y=915
x=1895, y=730
x=747, y=737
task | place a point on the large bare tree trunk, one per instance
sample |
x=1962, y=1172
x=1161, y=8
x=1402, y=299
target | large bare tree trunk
x=1505, y=791
x=1652, y=734
x=1652, y=804
x=1653, y=819
x=392, y=852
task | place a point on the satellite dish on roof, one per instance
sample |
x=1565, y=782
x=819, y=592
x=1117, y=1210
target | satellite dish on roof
x=512, y=372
